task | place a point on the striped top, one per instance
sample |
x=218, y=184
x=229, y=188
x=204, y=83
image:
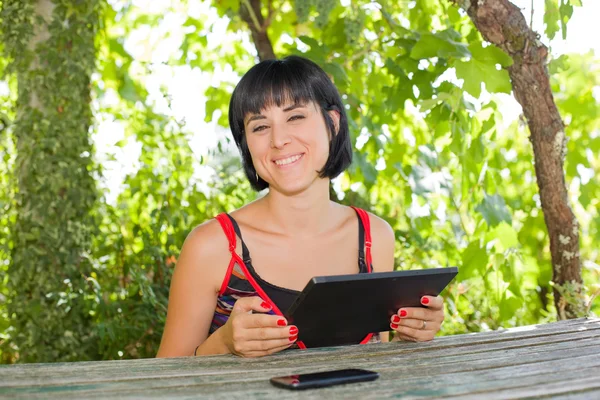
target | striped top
x=241, y=280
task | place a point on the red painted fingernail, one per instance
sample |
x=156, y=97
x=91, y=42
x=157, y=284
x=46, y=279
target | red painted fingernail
x=425, y=300
x=402, y=313
x=266, y=305
x=395, y=319
x=394, y=326
x=293, y=338
x=281, y=322
x=293, y=331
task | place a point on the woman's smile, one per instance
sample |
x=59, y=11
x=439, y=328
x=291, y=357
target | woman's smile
x=287, y=162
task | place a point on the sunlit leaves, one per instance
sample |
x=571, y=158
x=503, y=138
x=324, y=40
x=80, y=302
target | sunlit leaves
x=217, y=98
x=551, y=17
x=474, y=260
x=493, y=209
x=558, y=12
x=475, y=72
x=442, y=44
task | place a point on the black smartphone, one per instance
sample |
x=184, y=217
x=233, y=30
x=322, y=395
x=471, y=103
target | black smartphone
x=324, y=379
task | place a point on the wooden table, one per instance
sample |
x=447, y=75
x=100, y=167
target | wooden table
x=557, y=360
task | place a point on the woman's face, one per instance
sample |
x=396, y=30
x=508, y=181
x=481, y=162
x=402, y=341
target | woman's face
x=288, y=145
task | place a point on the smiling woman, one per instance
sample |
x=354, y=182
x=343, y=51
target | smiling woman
x=308, y=106
x=289, y=123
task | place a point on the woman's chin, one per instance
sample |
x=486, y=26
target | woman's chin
x=292, y=188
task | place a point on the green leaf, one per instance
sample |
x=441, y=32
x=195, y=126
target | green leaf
x=559, y=64
x=490, y=54
x=337, y=71
x=216, y=99
x=509, y=306
x=477, y=150
x=474, y=261
x=494, y=210
x=506, y=235
x=438, y=45
x=307, y=40
x=474, y=72
x=566, y=11
x=551, y=18
x=367, y=169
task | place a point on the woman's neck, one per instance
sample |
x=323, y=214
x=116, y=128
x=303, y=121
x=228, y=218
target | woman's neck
x=307, y=213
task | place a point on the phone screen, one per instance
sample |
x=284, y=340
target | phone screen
x=323, y=379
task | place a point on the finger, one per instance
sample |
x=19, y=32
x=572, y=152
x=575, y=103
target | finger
x=253, y=303
x=262, y=321
x=270, y=333
x=424, y=314
x=404, y=337
x=415, y=323
x=433, y=302
x=271, y=351
x=420, y=335
x=268, y=345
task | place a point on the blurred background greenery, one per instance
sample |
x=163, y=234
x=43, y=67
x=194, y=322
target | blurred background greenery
x=92, y=219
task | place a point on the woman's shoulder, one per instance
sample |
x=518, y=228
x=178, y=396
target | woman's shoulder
x=207, y=242
x=379, y=226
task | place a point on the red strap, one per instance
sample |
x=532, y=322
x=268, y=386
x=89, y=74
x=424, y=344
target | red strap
x=231, y=237
x=364, y=217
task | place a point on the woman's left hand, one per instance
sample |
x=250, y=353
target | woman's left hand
x=418, y=324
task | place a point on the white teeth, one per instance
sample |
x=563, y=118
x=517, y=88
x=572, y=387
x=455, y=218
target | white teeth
x=289, y=160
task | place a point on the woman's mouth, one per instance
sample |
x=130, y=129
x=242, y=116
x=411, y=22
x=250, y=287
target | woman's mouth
x=284, y=162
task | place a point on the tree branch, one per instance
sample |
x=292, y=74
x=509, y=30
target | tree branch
x=270, y=15
x=257, y=24
x=251, y=14
x=531, y=19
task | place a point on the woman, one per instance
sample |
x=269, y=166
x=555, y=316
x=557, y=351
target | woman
x=290, y=126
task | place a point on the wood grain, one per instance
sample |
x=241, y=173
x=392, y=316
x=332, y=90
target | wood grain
x=558, y=360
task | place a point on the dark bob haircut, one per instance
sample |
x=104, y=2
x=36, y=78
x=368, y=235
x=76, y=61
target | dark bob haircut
x=293, y=80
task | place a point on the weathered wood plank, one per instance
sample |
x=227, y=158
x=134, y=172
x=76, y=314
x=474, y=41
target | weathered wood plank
x=546, y=331
x=502, y=364
x=379, y=353
x=542, y=362
x=388, y=386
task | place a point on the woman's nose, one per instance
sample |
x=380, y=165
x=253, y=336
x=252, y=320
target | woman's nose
x=279, y=136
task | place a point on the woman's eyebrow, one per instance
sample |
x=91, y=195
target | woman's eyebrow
x=255, y=117
x=293, y=107
x=288, y=108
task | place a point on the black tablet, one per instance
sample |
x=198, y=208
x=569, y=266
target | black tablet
x=344, y=309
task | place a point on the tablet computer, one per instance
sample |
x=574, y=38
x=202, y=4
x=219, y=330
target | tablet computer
x=344, y=309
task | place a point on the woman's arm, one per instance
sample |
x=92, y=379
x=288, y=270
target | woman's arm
x=193, y=294
x=382, y=251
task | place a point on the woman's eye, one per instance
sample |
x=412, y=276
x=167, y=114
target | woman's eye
x=295, y=117
x=259, y=128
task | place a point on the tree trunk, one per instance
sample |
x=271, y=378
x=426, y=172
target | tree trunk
x=53, y=55
x=258, y=27
x=502, y=23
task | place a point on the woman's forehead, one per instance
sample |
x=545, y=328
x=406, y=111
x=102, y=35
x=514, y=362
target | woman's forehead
x=284, y=107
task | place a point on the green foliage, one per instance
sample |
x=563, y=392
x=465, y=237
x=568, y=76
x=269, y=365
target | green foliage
x=433, y=155
x=556, y=15
x=49, y=265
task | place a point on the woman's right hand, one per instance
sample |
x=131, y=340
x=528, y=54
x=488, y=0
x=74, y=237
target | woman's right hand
x=258, y=334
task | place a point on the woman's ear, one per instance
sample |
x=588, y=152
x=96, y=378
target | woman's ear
x=335, y=117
